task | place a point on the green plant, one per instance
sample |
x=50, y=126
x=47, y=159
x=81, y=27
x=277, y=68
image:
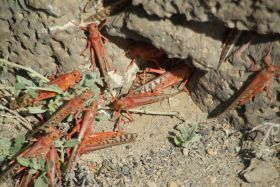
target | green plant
x=10, y=147
x=187, y=135
x=36, y=165
x=62, y=144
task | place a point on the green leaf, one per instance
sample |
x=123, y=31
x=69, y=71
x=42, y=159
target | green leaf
x=19, y=86
x=19, y=141
x=102, y=117
x=58, y=143
x=23, y=161
x=36, y=110
x=184, y=132
x=91, y=79
x=41, y=162
x=16, y=92
x=71, y=143
x=95, y=89
x=24, y=81
x=5, y=145
x=55, y=88
x=34, y=163
x=70, y=118
x=32, y=171
x=33, y=93
x=177, y=141
x=42, y=181
x=54, y=104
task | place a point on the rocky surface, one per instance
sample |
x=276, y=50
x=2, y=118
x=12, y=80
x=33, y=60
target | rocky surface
x=40, y=34
x=260, y=171
x=260, y=16
x=176, y=37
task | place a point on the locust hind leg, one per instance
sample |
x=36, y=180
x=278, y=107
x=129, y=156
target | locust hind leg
x=92, y=58
x=130, y=118
x=268, y=90
x=153, y=70
x=58, y=167
x=250, y=95
x=183, y=86
x=121, y=119
x=87, y=47
x=244, y=47
x=267, y=57
x=253, y=67
x=133, y=61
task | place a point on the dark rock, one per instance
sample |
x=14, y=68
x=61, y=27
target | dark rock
x=176, y=38
x=54, y=8
x=261, y=16
x=260, y=171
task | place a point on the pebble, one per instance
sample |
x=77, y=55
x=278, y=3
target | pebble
x=211, y=152
x=125, y=170
x=171, y=184
x=212, y=179
x=149, y=171
x=186, y=152
x=151, y=184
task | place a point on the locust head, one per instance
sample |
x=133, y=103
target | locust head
x=77, y=75
x=93, y=27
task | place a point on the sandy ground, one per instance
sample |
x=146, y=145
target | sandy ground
x=153, y=160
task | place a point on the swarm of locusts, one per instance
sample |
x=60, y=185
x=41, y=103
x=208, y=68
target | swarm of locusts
x=167, y=80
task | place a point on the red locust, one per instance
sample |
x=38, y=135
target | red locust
x=147, y=52
x=96, y=47
x=74, y=106
x=42, y=148
x=132, y=101
x=91, y=142
x=262, y=81
x=64, y=82
x=170, y=78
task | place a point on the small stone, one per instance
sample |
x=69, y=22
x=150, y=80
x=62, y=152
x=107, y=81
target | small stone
x=212, y=179
x=125, y=170
x=260, y=171
x=172, y=184
x=149, y=171
x=127, y=147
x=152, y=135
x=151, y=184
x=211, y=152
x=185, y=152
x=237, y=149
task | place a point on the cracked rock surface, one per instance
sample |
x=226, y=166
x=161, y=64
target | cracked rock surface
x=260, y=16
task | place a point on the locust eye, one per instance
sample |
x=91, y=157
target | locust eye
x=76, y=74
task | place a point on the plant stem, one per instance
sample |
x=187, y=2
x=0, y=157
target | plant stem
x=23, y=121
x=44, y=89
x=28, y=69
x=175, y=114
x=5, y=87
x=139, y=111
